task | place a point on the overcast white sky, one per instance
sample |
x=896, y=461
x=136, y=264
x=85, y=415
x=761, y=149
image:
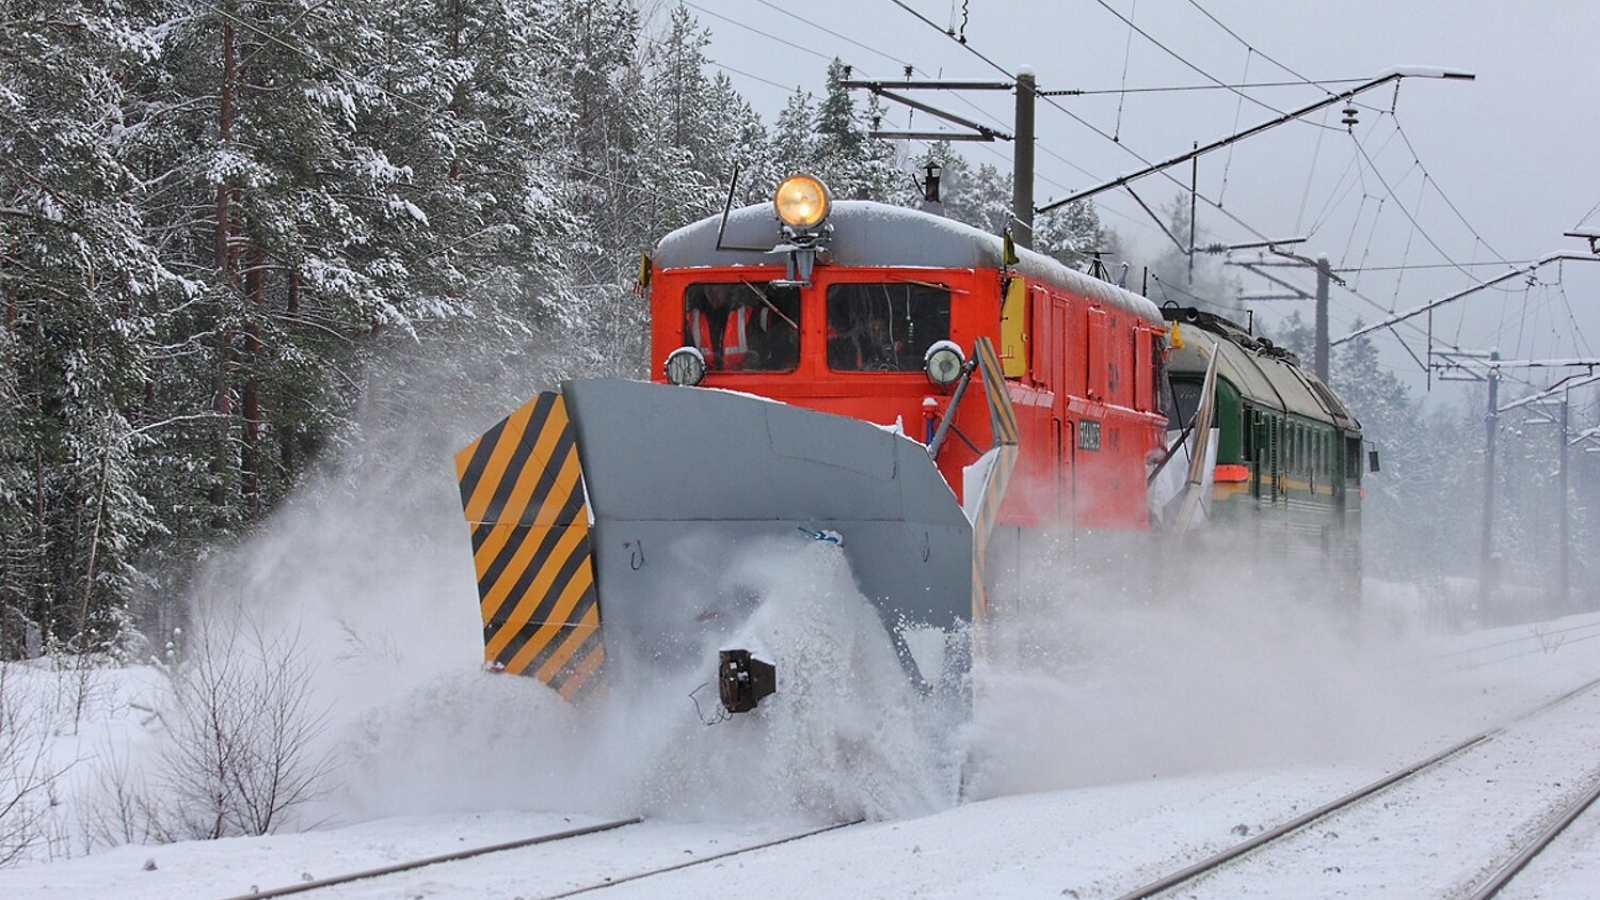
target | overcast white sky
x=1491, y=170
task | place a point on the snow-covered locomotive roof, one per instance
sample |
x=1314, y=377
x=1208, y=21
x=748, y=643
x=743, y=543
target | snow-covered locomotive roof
x=876, y=234
x=1267, y=376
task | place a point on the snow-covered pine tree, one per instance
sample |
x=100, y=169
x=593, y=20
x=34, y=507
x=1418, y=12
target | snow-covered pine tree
x=601, y=67
x=77, y=283
x=694, y=126
x=855, y=166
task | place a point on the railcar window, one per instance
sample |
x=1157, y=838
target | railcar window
x=1158, y=349
x=1185, y=402
x=885, y=327
x=743, y=326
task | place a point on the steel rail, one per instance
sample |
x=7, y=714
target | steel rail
x=1530, y=637
x=1295, y=824
x=1503, y=877
x=1239, y=850
x=612, y=882
x=435, y=860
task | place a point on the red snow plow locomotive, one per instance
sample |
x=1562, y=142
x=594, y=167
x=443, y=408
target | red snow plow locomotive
x=936, y=389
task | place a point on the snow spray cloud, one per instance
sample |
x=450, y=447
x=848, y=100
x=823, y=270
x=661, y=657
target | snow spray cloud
x=1132, y=667
x=368, y=567
x=846, y=736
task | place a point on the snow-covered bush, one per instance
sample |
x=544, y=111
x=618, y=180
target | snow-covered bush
x=242, y=747
x=29, y=775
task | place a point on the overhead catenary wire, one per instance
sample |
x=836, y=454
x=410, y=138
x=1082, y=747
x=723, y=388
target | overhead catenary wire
x=1351, y=178
x=1440, y=191
x=1371, y=157
x=1414, y=266
x=600, y=176
x=1586, y=216
x=1182, y=59
x=956, y=95
x=825, y=30
x=1086, y=124
x=1417, y=225
x=1238, y=109
x=751, y=28
x=1248, y=46
x=1311, y=174
x=984, y=112
x=1122, y=97
x=1181, y=88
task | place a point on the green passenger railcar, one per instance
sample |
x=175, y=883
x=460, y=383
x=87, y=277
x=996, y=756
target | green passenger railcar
x=1289, y=460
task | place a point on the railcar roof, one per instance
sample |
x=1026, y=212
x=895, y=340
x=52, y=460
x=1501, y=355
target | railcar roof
x=876, y=234
x=1266, y=377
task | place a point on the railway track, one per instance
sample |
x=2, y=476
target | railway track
x=1494, y=884
x=1539, y=638
x=1262, y=843
x=423, y=862
x=662, y=870
x=324, y=884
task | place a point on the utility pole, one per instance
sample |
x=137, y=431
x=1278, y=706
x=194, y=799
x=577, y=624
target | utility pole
x=1467, y=365
x=1563, y=584
x=1022, y=162
x=1486, y=567
x=1026, y=87
x=1324, y=277
x=1324, y=273
x=1194, y=195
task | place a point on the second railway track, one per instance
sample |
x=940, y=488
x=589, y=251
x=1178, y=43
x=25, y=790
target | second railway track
x=541, y=882
x=1485, y=779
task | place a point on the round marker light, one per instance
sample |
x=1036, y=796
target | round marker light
x=802, y=201
x=686, y=366
x=943, y=362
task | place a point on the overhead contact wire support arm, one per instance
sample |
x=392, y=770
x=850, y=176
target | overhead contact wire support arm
x=1393, y=75
x=1434, y=304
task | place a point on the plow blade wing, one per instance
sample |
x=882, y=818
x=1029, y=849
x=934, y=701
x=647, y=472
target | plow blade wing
x=673, y=486
x=522, y=495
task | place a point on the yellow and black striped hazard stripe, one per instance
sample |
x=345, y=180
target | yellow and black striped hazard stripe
x=522, y=493
x=1003, y=423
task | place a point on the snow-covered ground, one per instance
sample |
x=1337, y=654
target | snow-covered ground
x=1113, y=741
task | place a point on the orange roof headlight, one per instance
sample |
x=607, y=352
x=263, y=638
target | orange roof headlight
x=802, y=201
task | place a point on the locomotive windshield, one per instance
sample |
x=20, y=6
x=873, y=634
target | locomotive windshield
x=741, y=326
x=885, y=327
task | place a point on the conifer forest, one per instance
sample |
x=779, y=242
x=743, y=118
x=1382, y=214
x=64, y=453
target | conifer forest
x=239, y=237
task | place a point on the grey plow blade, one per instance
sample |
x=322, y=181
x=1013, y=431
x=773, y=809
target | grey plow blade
x=681, y=482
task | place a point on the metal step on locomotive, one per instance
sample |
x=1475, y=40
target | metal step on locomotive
x=904, y=385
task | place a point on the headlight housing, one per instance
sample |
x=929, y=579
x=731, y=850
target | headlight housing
x=944, y=363
x=686, y=366
x=802, y=202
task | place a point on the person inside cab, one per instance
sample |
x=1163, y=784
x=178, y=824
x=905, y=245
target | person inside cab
x=861, y=332
x=719, y=327
x=737, y=328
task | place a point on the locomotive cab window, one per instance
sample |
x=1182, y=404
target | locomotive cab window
x=885, y=327
x=740, y=326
